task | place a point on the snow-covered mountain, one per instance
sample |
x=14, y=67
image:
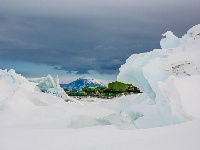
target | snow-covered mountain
x=80, y=83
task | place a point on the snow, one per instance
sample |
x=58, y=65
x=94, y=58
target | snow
x=48, y=85
x=183, y=136
x=178, y=58
x=80, y=83
x=179, y=91
x=165, y=116
x=132, y=71
x=170, y=41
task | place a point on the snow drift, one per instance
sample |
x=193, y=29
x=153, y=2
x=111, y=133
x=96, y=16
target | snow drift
x=169, y=75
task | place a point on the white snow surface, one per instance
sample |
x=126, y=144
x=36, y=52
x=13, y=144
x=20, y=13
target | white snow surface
x=169, y=78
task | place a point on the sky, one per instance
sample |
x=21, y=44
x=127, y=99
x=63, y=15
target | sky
x=75, y=38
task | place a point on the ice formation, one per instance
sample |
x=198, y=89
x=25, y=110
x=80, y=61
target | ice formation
x=48, y=85
x=158, y=73
x=170, y=41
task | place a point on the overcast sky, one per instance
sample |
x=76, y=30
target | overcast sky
x=81, y=35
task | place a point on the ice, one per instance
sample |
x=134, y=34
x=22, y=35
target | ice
x=194, y=31
x=182, y=95
x=141, y=110
x=118, y=120
x=170, y=41
x=48, y=85
x=44, y=83
x=179, y=57
x=132, y=70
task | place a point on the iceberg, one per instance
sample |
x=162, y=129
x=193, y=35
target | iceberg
x=158, y=72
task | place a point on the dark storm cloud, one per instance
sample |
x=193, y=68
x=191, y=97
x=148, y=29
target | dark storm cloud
x=89, y=35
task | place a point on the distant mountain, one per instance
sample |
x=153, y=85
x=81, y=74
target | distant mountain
x=80, y=83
